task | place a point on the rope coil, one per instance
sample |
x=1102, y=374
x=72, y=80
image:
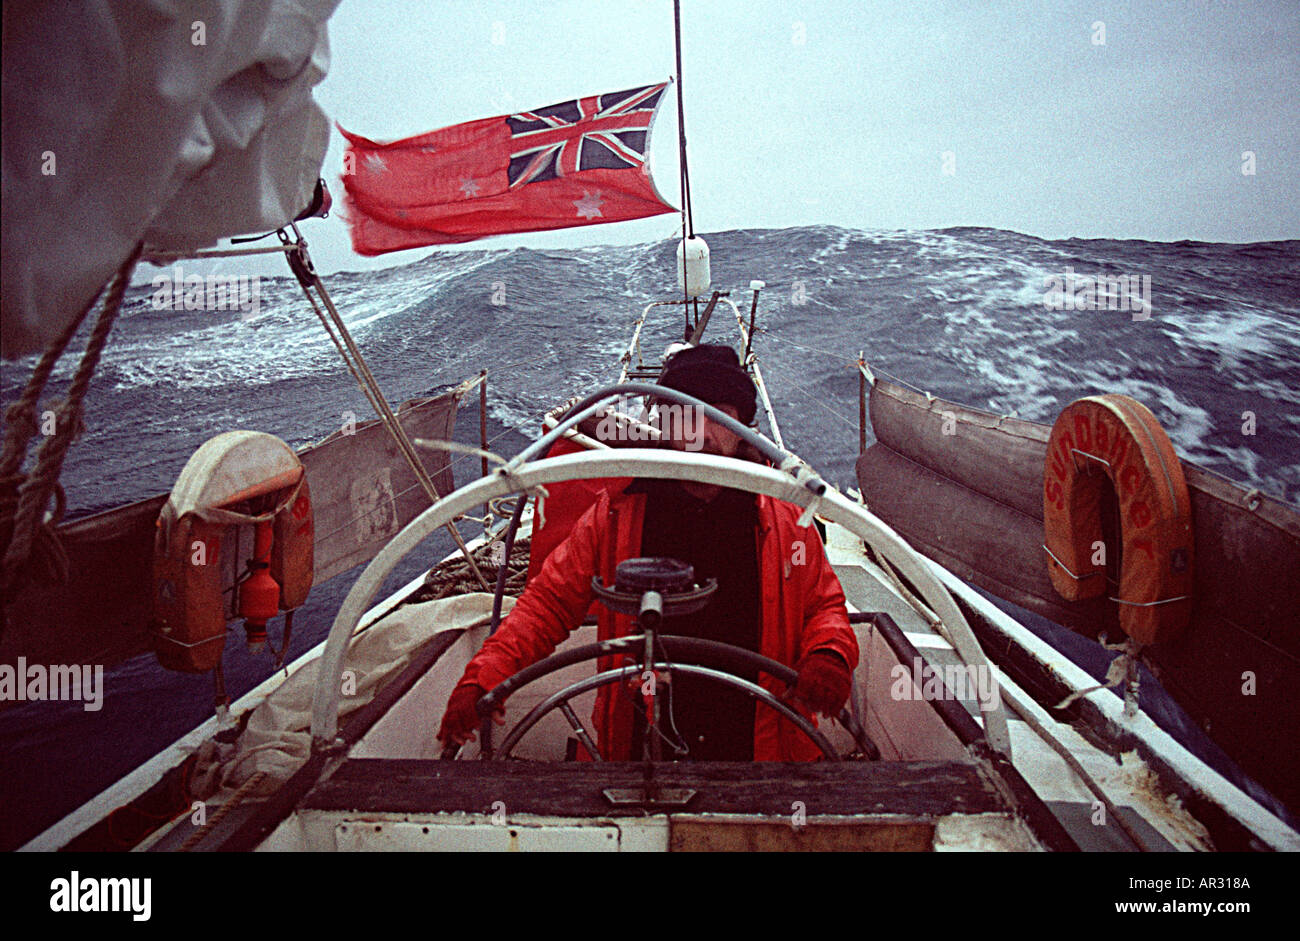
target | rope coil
x=27, y=530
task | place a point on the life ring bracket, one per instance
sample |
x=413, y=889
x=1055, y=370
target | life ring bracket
x=1148, y=604
x=1077, y=578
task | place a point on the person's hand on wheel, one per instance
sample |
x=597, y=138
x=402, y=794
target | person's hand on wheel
x=460, y=722
x=824, y=683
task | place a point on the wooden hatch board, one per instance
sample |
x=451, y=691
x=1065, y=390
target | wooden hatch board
x=917, y=789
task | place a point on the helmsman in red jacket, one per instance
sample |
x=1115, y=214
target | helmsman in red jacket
x=777, y=595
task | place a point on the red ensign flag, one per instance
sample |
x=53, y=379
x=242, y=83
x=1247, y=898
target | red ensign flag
x=581, y=162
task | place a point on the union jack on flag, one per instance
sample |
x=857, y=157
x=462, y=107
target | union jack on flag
x=605, y=131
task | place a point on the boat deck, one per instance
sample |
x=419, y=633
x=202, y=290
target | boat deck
x=387, y=801
x=934, y=788
x=867, y=588
x=929, y=792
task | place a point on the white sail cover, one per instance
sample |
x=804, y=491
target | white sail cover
x=178, y=123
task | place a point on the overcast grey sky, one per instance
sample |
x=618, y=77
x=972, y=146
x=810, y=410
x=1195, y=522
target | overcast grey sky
x=1092, y=119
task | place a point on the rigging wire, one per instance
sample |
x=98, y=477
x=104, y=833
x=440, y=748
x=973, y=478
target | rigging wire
x=451, y=465
x=688, y=218
x=818, y=402
x=300, y=264
x=688, y=221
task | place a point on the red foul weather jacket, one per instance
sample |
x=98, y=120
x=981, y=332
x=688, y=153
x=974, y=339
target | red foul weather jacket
x=802, y=610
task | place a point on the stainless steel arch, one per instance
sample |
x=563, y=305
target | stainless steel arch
x=641, y=462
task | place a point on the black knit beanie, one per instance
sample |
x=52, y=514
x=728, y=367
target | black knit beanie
x=712, y=373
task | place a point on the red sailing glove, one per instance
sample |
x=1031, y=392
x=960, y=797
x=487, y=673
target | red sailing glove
x=824, y=682
x=460, y=722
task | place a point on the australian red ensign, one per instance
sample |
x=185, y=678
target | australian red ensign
x=581, y=162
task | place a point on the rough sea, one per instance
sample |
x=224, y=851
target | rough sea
x=958, y=312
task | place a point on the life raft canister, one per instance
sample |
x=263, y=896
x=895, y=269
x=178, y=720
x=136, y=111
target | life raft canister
x=189, y=606
x=1117, y=437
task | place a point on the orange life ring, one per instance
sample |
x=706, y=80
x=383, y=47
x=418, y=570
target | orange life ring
x=189, y=621
x=190, y=608
x=1118, y=437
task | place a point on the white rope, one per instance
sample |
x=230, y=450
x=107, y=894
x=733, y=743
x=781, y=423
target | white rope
x=438, y=444
x=1123, y=669
x=506, y=469
x=806, y=474
x=802, y=473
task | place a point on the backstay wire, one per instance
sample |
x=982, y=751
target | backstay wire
x=295, y=252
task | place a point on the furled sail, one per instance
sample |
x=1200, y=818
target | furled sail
x=175, y=124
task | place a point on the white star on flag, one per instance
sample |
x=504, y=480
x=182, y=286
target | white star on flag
x=589, y=205
x=469, y=187
x=375, y=164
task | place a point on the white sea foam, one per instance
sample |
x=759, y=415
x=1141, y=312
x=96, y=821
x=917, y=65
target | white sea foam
x=1239, y=337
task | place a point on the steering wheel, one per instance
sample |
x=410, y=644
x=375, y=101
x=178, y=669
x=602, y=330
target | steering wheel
x=671, y=648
